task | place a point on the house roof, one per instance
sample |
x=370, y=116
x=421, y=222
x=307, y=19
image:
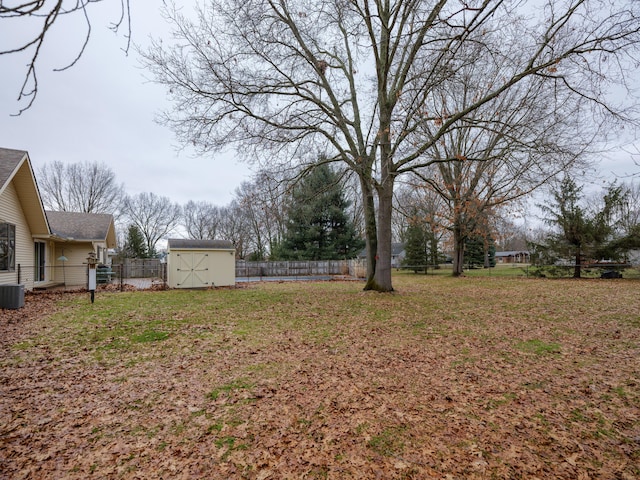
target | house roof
x=396, y=249
x=511, y=253
x=9, y=162
x=186, y=243
x=15, y=167
x=83, y=226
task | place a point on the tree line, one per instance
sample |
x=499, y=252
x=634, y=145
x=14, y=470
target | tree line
x=314, y=215
x=307, y=217
x=572, y=227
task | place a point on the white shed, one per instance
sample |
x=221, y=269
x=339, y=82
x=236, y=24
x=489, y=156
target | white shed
x=200, y=263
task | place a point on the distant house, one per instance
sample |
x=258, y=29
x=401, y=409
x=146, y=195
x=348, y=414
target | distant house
x=513, y=256
x=36, y=246
x=397, y=254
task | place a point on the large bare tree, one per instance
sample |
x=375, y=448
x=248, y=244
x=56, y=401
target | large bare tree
x=201, y=220
x=352, y=78
x=420, y=204
x=503, y=150
x=89, y=187
x=154, y=216
x=234, y=226
x=37, y=19
x=261, y=204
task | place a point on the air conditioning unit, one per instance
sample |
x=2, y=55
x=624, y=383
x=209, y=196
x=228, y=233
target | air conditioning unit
x=12, y=296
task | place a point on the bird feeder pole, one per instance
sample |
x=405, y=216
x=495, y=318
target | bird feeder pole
x=91, y=266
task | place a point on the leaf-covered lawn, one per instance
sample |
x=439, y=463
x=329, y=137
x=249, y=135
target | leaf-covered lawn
x=446, y=378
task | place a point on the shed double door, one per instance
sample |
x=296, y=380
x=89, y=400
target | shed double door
x=192, y=270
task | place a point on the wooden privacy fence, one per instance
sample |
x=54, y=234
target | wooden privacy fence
x=151, y=271
x=299, y=268
x=142, y=268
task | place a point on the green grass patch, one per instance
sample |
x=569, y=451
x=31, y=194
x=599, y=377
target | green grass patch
x=216, y=427
x=389, y=442
x=538, y=347
x=230, y=444
x=494, y=403
x=150, y=336
x=238, y=384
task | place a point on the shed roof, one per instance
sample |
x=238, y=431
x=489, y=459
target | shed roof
x=83, y=226
x=187, y=243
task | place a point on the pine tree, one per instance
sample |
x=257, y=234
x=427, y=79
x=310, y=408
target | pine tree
x=318, y=227
x=135, y=245
x=582, y=232
x=416, y=246
x=480, y=250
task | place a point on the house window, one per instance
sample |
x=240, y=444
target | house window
x=7, y=247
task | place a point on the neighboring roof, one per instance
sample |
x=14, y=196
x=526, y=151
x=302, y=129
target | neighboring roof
x=511, y=253
x=15, y=166
x=83, y=226
x=186, y=243
x=396, y=249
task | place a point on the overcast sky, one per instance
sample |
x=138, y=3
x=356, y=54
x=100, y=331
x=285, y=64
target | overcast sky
x=102, y=109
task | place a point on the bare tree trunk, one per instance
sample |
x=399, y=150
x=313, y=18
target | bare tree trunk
x=458, y=253
x=370, y=230
x=487, y=263
x=433, y=253
x=382, y=279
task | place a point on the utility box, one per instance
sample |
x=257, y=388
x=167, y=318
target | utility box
x=12, y=296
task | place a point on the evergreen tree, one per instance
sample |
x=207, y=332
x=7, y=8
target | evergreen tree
x=583, y=233
x=416, y=247
x=318, y=227
x=135, y=245
x=622, y=245
x=480, y=250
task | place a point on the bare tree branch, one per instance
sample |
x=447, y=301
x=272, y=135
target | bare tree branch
x=154, y=216
x=80, y=187
x=47, y=14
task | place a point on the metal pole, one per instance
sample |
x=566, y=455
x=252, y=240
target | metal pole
x=91, y=266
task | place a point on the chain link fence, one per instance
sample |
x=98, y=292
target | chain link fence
x=588, y=270
x=151, y=273
x=145, y=273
